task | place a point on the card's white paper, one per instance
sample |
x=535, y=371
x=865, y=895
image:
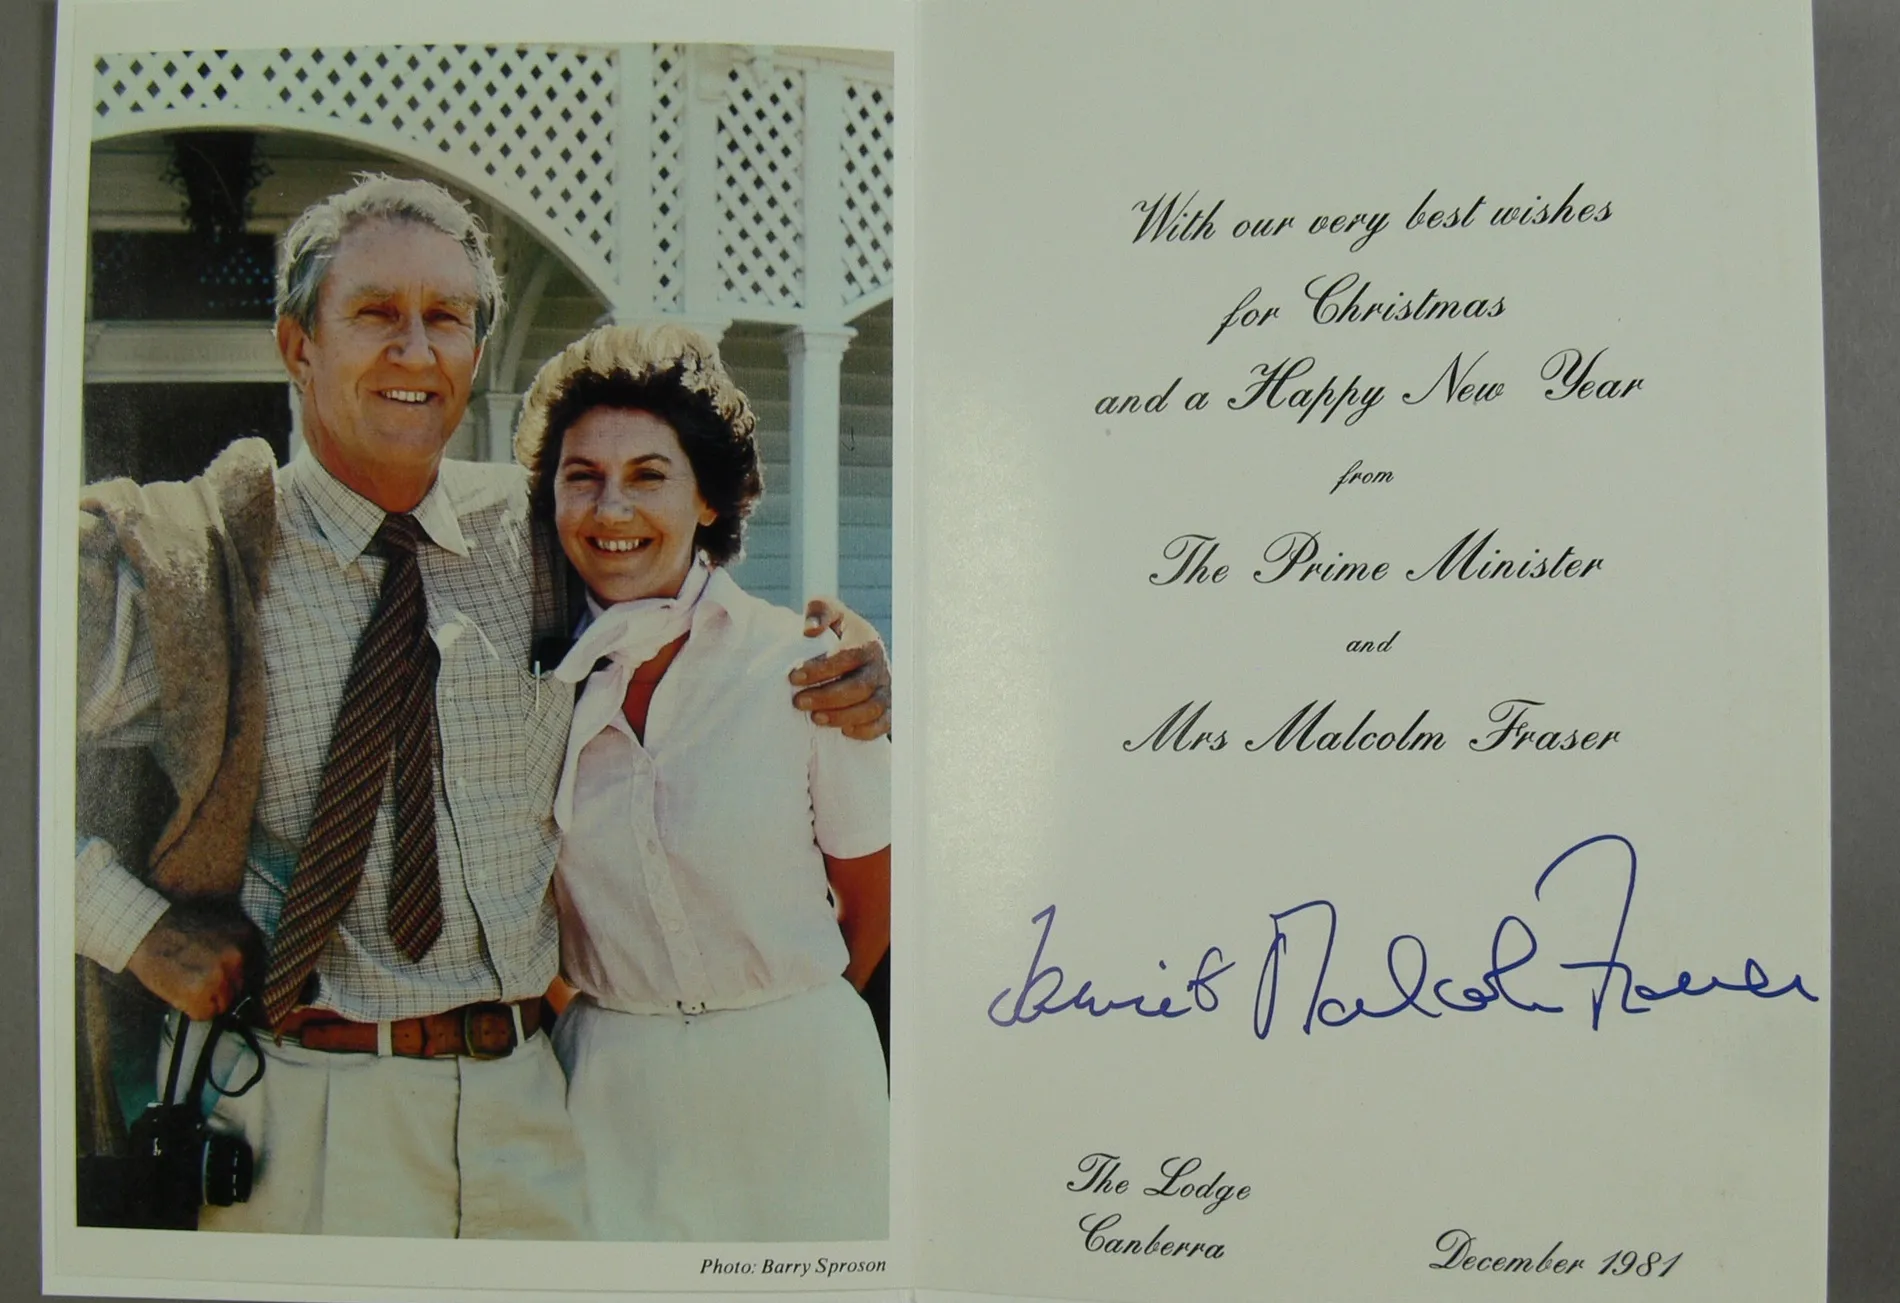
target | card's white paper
x=1143, y=803
x=1141, y=770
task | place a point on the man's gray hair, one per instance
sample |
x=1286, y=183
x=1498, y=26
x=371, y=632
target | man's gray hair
x=311, y=242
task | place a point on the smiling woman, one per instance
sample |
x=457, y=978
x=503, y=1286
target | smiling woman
x=626, y=504
x=724, y=873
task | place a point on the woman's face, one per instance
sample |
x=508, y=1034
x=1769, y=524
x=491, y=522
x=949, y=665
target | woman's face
x=626, y=504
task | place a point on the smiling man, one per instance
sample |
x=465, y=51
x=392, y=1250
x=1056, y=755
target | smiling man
x=401, y=315
x=376, y=793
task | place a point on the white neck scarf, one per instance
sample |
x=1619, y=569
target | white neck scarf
x=626, y=635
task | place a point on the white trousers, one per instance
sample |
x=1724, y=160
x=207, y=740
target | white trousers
x=768, y=1123
x=354, y=1144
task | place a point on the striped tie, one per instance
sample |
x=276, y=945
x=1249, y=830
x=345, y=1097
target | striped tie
x=386, y=723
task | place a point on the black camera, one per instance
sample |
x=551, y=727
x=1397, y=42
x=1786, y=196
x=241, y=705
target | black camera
x=176, y=1163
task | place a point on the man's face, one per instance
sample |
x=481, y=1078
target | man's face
x=385, y=376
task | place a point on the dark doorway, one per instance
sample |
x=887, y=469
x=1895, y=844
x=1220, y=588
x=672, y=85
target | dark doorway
x=172, y=431
x=176, y=276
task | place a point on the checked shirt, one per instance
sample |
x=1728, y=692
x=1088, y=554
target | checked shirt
x=503, y=736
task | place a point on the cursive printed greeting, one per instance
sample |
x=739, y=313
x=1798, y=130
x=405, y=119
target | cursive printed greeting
x=1187, y=218
x=1347, y=388
x=1300, y=555
x=1305, y=389
x=1329, y=727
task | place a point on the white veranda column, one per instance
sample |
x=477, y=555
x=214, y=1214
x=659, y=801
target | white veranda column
x=816, y=356
x=296, y=423
x=499, y=435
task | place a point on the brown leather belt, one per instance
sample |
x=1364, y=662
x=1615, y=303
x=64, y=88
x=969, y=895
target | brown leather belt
x=476, y=1031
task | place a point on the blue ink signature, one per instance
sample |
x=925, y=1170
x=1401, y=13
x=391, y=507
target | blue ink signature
x=1042, y=990
x=1045, y=989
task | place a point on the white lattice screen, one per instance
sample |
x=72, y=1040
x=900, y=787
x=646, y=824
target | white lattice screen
x=761, y=153
x=868, y=136
x=669, y=130
x=536, y=120
x=535, y=125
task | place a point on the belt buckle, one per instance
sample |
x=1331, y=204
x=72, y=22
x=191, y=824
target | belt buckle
x=469, y=1046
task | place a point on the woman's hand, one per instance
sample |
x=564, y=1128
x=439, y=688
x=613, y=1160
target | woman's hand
x=849, y=689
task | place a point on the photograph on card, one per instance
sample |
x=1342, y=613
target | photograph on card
x=485, y=602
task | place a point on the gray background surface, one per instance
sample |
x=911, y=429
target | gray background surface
x=1857, y=57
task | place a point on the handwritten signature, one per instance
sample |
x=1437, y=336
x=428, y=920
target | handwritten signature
x=1046, y=989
